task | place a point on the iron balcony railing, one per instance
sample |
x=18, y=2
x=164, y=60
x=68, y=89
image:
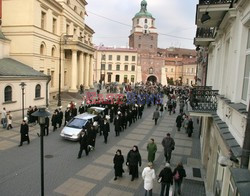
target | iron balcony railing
x=205, y=32
x=203, y=99
x=210, y=2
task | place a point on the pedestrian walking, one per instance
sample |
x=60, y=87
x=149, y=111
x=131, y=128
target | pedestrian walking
x=156, y=115
x=4, y=118
x=151, y=148
x=168, y=145
x=161, y=110
x=166, y=181
x=118, y=161
x=60, y=117
x=46, y=128
x=178, y=121
x=190, y=127
x=117, y=124
x=178, y=174
x=83, y=144
x=67, y=115
x=91, y=136
x=148, y=175
x=54, y=120
x=133, y=160
x=9, y=120
x=24, y=131
x=105, y=129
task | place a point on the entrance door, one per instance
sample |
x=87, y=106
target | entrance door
x=152, y=79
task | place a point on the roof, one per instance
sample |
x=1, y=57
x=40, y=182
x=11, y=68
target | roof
x=85, y=116
x=115, y=49
x=11, y=67
x=143, y=12
x=241, y=178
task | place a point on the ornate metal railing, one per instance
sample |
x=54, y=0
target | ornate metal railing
x=208, y=2
x=203, y=99
x=205, y=32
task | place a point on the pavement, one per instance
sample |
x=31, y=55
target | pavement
x=94, y=175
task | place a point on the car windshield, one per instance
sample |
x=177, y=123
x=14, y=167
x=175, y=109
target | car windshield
x=77, y=123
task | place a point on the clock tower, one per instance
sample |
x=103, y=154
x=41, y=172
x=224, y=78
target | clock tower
x=143, y=35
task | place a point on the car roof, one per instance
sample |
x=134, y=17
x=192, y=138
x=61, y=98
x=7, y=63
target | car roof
x=85, y=116
x=98, y=108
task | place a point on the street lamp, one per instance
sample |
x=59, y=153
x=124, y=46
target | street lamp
x=41, y=113
x=22, y=84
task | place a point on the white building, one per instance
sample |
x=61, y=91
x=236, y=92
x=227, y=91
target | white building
x=223, y=34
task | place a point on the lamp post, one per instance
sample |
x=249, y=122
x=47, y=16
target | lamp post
x=22, y=84
x=41, y=113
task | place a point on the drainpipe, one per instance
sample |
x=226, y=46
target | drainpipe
x=47, y=91
x=246, y=143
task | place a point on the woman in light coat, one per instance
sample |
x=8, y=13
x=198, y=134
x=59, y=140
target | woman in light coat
x=148, y=175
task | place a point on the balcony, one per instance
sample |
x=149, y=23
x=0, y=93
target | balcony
x=216, y=9
x=77, y=40
x=204, y=36
x=203, y=99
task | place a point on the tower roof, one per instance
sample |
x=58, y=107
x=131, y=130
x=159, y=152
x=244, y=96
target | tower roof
x=143, y=12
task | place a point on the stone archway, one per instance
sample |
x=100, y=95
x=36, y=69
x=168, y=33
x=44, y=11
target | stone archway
x=152, y=78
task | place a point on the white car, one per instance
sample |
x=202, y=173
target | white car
x=96, y=110
x=72, y=130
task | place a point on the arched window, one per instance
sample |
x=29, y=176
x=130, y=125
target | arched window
x=53, y=50
x=42, y=49
x=8, y=93
x=38, y=91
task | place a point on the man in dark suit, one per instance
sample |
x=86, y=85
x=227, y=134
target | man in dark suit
x=117, y=124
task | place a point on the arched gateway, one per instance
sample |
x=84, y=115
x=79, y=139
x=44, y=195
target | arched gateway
x=152, y=78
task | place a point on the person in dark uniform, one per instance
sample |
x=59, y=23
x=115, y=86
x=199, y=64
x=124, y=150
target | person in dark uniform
x=60, y=117
x=118, y=161
x=130, y=117
x=112, y=112
x=74, y=111
x=24, y=130
x=46, y=128
x=81, y=109
x=117, y=124
x=54, y=120
x=105, y=130
x=91, y=136
x=67, y=116
x=83, y=144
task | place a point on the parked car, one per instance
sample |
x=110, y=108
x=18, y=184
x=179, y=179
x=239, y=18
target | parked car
x=96, y=110
x=72, y=130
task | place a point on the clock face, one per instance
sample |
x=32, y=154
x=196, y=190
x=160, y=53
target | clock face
x=145, y=26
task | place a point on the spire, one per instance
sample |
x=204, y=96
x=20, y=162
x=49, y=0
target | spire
x=143, y=12
x=143, y=6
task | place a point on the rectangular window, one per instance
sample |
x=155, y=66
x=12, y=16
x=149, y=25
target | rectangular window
x=117, y=78
x=192, y=70
x=109, y=77
x=65, y=78
x=102, y=66
x=103, y=57
x=43, y=20
x=166, y=69
x=52, y=79
x=117, y=67
x=246, y=78
x=67, y=29
x=132, y=78
x=132, y=68
x=139, y=46
x=172, y=70
x=118, y=57
x=126, y=58
x=110, y=57
x=110, y=67
x=125, y=67
x=125, y=79
x=54, y=26
x=133, y=58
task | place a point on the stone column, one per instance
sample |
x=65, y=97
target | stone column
x=81, y=69
x=86, y=71
x=74, y=72
x=91, y=72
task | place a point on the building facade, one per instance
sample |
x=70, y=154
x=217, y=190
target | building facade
x=116, y=65
x=51, y=36
x=223, y=38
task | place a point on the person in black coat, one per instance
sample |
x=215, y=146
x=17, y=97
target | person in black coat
x=133, y=160
x=179, y=122
x=67, y=116
x=81, y=109
x=130, y=117
x=54, y=120
x=105, y=129
x=60, y=117
x=46, y=127
x=118, y=161
x=24, y=130
x=178, y=174
x=117, y=124
x=112, y=111
x=83, y=143
x=190, y=127
x=166, y=176
x=91, y=136
x=74, y=111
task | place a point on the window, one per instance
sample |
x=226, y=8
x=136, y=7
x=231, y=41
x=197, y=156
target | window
x=52, y=78
x=187, y=70
x=139, y=46
x=38, y=91
x=54, y=25
x=67, y=29
x=166, y=69
x=110, y=57
x=43, y=20
x=150, y=70
x=65, y=78
x=110, y=67
x=132, y=68
x=109, y=77
x=8, y=93
x=126, y=58
x=103, y=57
x=118, y=57
x=117, y=67
x=126, y=68
x=125, y=80
x=132, y=78
x=138, y=21
x=146, y=21
x=192, y=70
x=133, y=58
x=172, y=69
x=117, y=78
x=42, y=49
x=53, y=52
x=139, y=37
x=102, y=66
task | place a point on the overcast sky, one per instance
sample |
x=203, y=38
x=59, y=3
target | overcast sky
x=172, y=17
